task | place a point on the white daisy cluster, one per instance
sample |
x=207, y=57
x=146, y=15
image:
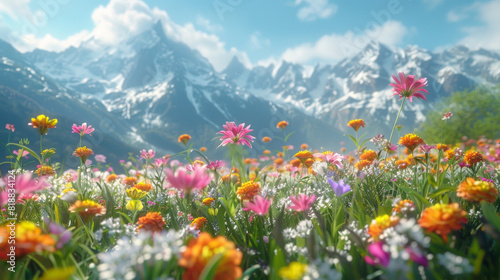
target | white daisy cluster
x=456, y=265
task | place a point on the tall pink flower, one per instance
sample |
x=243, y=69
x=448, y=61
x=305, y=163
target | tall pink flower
x=82, y=129
x=23, y=184
x=147, y=155
x=260, y=205
x=380, y=256
x=25, y=153
x=408, y=87
x=236, y=134
x=330, y=157
x=187, y=181
x=302, y=202
x=10, y=127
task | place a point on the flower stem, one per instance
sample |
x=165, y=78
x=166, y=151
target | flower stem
x=396, y=122
x=41, y=149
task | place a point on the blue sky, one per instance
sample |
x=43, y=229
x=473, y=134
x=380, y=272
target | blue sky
x=257, y=31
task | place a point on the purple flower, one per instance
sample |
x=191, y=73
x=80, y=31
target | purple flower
x=236, y=134
x=151, y=203
x=62, y=232
x=424, y=148
x=380, y=256
x=339, y=188
x=417, y=256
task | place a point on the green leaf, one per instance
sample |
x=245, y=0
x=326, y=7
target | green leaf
x=490, y=213
x=208, y=272
x=28, y=150
x=442, y=190
x=249, y=271
x=353, y=140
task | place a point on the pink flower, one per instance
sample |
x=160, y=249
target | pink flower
x=188, y=181
x=25, y=153
x=23, y=184
x=82, y=129
x=302, y=202
x=10, y=127
x=380, y=256
x=330, y=157
x=161, y=161
x=214, y=165
x=447, y=116
x=147, y=155
x=100, y=158
x=408, y=87
x=236, y=134
x=259, y=205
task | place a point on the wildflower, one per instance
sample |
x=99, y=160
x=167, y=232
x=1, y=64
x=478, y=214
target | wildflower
x=453, y=154
x=203, y=149
x=442, y=219
x=82, y=129
x=294, y=271
x=407, y=87
x=303, y=155
x=181, y=179
x=83, y=153
x=201, y=250
x=28, y=239
x=134, y=205
x=63, y=273
x=330, y=157
x=402, y=164
x=266, y=139
x=100, y=158
x=233, y=178
x=401, y=204
x=380, y=256
x=447, y=116
x=259, y=206
x=23, y=184
x=214, y=165
x=184, y=138
x=208, y=201
x=87, y=209
x=236, y=134
x=43, y=123
x=339, y=188
x=143, y=186
x=411, y=141
x=44, y=170
x=279, y=161
x=248, y=190
x=135, y=193
x=198, y=222
x=442, y=147
x=356, y=124
x=152, y=221
x=24, y=153
x=369, y=155
x=282, y=124
x=10, y=127
x=147, y=154
x=304, y=146
x=302, y=202
x=111, y=178
x=381, y=223
x=473, y=157
x=129, y=181
x=61, y=232
x=477, y=191
x=362, y=164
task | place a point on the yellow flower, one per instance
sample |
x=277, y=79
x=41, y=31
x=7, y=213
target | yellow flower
x=477, y=191
x=369, y=155
x=411, y=141
x=63, y=273
x=362, y=164
x=43, y=123
x=134, y=205
x=400, y=205
x=303, y=155
x=356, y=124
x=207, y=201
x=248, y=190
x=198, y=222
x=48, y=152
x=143, y=186
x=135, y=193
x=44, y=170
x=29, y=239
x=294, y=271
x=87, y=209
x=381, y=223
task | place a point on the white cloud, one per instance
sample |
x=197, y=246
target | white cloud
x=258, y=42
x=488, y=35
x=315, y=9
x=207, y=25
x=334, y=47
x=16, y=9
x=455, y=16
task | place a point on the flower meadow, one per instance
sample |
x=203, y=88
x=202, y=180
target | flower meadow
x=390, y=209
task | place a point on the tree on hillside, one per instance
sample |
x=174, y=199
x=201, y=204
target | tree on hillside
x=475, y=113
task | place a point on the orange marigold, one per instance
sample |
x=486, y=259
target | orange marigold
x=403, y=163
x=184, y=138
x=362, y=164
x=152, y=221
x=83, y=153
x=143, y=186
x=282, y=124
x=201, y=250
x=266, y=152
x=279, y=161
x=295, y=162
x=303, y=155
x=233, y=178
x=111, y=178
x=198, y=222
x=129, y=181
x=43, y=123
x=411, y=141
x=44, y=170
x=473, y=157
x=443, y=147
x=248, y=190
x=442, y=219
x=266, y=139
x=401, y=204
x=369, y=155
x=477, y=191
x=304, y=146
x=208, y=201
x=28, y=239
x=87, y=209
x=308, y=162
x=356, y=124
x=381, y=223
x=203, y=149
x=453, y=154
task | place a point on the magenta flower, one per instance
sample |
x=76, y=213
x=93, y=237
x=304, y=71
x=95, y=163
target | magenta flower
x=260, y=205
x=82, y=129
x=417, y=256
x=330, y=157
x=63, y=234
x=100, y=158
x=160, y=162
x=181, y=179
x=25, y=153
x=147, y=155
x=214, y=165
x=408, y=87
x=10, y=127
x=236, y=134
x=23, y=184
x=380, y=256
x=302, y=202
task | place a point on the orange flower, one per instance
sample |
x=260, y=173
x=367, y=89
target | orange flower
x=473, y=157
x=477, y=191
x=184, y=138
x=266, y=152
x=207, y=201
x=44, y=170
x=152, y=221
x=356, y=124
x=43, y=123
x=279, y=161
x=247, y=161
x=381, y=223
x=266, y=139
x=282, y=124
x=309, y=162
x=198, y=222
x=295, y=162
x=201, y=250
x=443, y=147
x=143, y=186
x=231, y=178
x=411, y=141
x=28, y=239
x=111, y=178
x=403, y=163
x=248, y=190
x=87, y=209
x=343, y=149
x=83, y=153
x=369, y=155
x=303, y=155
x=304, y=146
x=129, y=181
x=401, y=204
x=453, y=154
x=442, y=219
x=362, y=164
x=203, y=149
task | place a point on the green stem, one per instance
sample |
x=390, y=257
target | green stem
x=393, y=128
x=41, y=148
